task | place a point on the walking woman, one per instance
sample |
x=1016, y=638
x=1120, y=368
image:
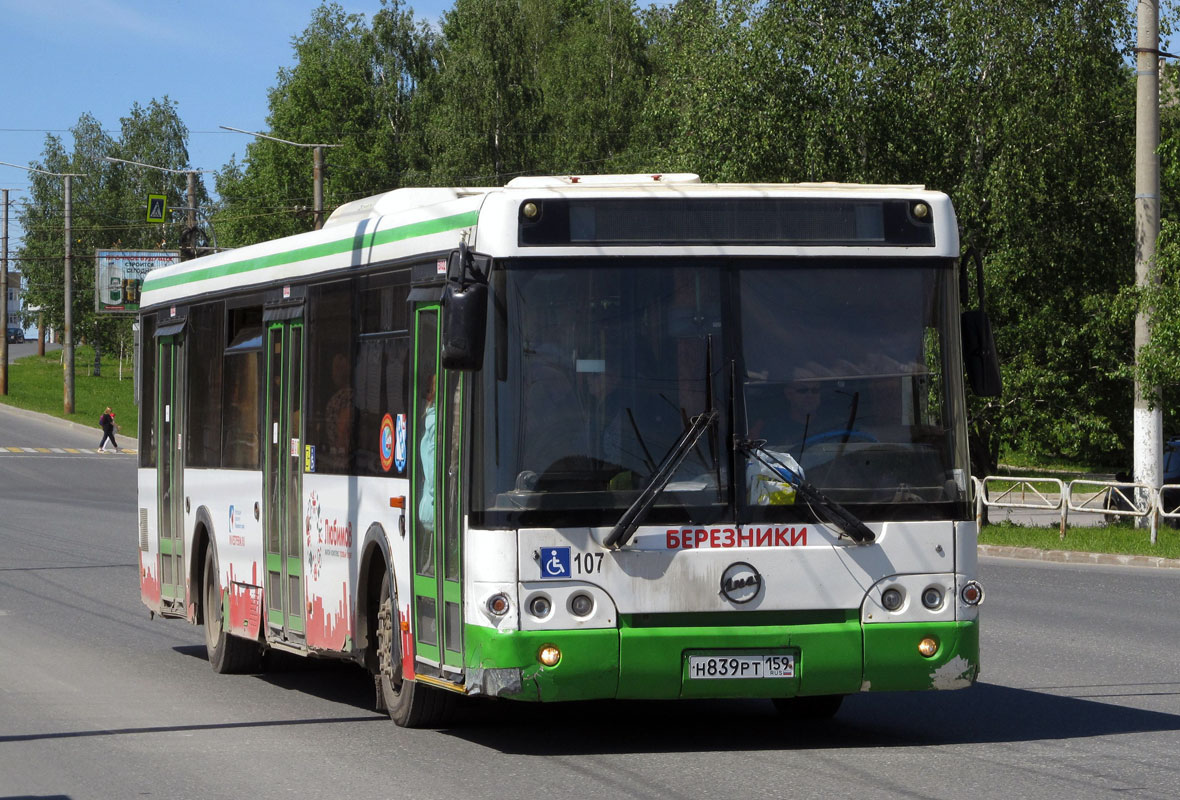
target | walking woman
x=108, y=431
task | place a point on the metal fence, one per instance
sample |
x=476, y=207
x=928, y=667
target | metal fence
x=1112, y=499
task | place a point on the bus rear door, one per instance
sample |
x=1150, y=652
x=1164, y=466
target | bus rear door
x=170, y=414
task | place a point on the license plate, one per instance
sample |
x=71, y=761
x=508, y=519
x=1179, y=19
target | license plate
x=754, y=666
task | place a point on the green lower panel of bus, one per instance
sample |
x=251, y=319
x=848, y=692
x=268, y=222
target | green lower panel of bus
x=651, y=662
x=893, y=663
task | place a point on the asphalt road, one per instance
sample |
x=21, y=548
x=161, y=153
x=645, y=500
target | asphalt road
x=27, y=348
x=1080, y=693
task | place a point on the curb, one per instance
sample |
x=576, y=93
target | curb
x=77, y=426
x=1078, y=557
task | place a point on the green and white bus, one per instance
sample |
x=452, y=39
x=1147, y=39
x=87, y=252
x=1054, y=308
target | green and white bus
x=572, y=438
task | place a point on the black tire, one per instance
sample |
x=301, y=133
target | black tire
x=409, y=703
x=823, y=706
x=227, y=654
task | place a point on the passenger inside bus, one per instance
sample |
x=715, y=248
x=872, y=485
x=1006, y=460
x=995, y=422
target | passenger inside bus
x=427, y=449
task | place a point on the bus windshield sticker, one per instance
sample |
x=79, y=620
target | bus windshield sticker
x=555, y=562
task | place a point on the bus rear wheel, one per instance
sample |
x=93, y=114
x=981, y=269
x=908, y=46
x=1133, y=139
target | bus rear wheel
x=409, y=703
x=822, y=706
x=227, y=654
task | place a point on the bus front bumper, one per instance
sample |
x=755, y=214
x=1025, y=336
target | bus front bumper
x=654, y=662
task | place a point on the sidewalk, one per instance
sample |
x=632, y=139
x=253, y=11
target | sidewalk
x=1078, y=557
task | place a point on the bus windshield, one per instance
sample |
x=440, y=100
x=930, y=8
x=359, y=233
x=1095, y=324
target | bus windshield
x=847, y=372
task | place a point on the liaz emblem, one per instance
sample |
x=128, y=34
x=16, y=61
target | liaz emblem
x=740, y=582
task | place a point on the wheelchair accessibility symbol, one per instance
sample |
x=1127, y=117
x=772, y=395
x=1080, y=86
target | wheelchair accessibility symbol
x=555, y=562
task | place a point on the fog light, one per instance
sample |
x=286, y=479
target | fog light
x=891, y=599
x=549, y=655
x=928, y=646
x=540, y=606
x=932, y=598
x=972, y=593
x=582, y=605
x=498, y=604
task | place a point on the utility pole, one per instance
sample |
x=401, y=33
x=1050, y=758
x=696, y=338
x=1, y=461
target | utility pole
x=4, y=298
x=191, y=197
x=317, y=170
x=67, y=343
x=1148, y=416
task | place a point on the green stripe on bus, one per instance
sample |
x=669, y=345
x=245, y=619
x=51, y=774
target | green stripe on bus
x=350, y=244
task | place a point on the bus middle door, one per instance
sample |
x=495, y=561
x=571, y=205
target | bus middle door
x=282, y=483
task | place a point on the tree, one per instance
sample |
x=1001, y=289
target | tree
x=350, y=88
x=107, y=206
x=1021, y=112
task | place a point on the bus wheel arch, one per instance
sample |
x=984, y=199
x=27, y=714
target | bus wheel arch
x=202, y=540
x=375, y=562
x=409, y=703
x=228, y=654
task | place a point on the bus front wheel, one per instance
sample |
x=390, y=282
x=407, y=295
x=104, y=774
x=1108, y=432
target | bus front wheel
x=410, y=704
x=227, y=654
x=822, y=706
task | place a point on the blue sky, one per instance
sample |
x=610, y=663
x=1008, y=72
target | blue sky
x=216, y=58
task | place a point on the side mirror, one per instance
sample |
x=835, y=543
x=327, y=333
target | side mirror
x=979, y=345
x=979, y=354
x=465, y=310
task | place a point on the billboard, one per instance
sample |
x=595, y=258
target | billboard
x=119, y=274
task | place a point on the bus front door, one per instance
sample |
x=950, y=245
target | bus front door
x=170, y=413
x=282, y=484
x=438, y=615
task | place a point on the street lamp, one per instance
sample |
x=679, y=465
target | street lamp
x=317, y=169
x=67, y=344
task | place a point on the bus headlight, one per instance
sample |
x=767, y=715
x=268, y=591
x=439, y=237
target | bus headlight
x=892, y=599
x=540, y=606
x=932, y=598
x=582, y=605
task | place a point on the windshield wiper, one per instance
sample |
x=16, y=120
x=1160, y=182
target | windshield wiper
x=629, y=522
x=828, y=509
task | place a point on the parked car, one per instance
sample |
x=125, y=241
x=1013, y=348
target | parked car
x=16, y=334
x=1171, y=461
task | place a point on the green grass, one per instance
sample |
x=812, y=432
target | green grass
x=1120, y=539
x=1015, y=462
x=37, y=383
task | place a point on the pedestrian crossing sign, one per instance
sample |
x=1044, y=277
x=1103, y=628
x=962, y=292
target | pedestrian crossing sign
x=157, y=206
